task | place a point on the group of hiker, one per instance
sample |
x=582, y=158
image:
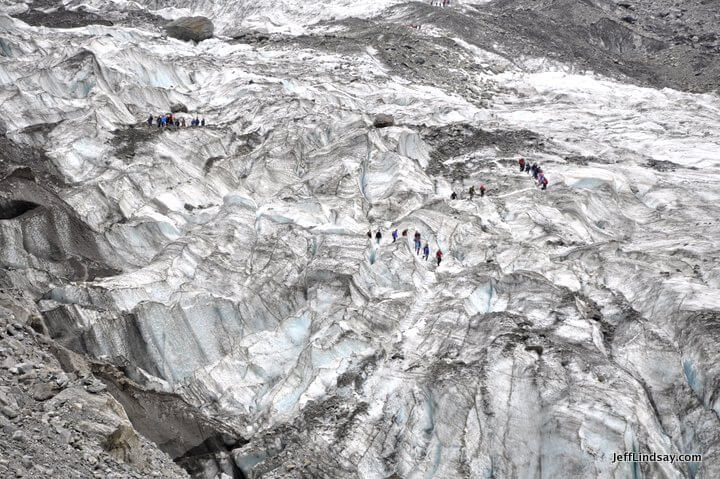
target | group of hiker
x=417, y=241
x=536, y=172
x=419, y=247
x=471, y=192
x=169, y=119
x=440, y=3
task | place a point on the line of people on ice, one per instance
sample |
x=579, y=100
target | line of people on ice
x=537, y=173
x=417, y=242
x=440, y=3
x=525, y=166
x=169, y=119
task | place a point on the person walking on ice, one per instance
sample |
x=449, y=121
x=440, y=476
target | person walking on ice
x=471, y=192
x=378, y=236
x=394, y=235
x=418, y=244
x=521, y=161
x=540, y=178
x=426, y=251
x=482, y=191
x=439, y=256
x=536, y=170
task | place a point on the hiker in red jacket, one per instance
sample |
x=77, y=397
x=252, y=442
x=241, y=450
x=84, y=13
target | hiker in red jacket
x=439, y=256
x=522, y=164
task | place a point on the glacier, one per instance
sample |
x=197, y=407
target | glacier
x=229, y=264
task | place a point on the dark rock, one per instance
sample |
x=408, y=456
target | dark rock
x=383, y=120
x=661, y=165
x=536, y=348
x=62, y=18
x=191, y=28
x=38, y=325
x=178, y=108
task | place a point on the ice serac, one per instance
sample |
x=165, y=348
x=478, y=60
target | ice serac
x=223, y=274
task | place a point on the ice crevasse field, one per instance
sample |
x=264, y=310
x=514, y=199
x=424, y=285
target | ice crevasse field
x=229, y=264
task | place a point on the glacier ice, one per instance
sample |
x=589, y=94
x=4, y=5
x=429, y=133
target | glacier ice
x=230, y=263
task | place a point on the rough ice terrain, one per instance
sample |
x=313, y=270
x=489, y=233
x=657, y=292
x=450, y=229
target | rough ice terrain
x=229, y=264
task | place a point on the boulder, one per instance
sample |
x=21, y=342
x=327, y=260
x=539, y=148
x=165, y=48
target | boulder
x=9, y=412
x=178, y=108
x=123, y=444
x=383, y=120
x=44, y=391
x=190, y=28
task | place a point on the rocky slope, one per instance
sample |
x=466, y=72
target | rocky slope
x=219, y=283
x=58, y=420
